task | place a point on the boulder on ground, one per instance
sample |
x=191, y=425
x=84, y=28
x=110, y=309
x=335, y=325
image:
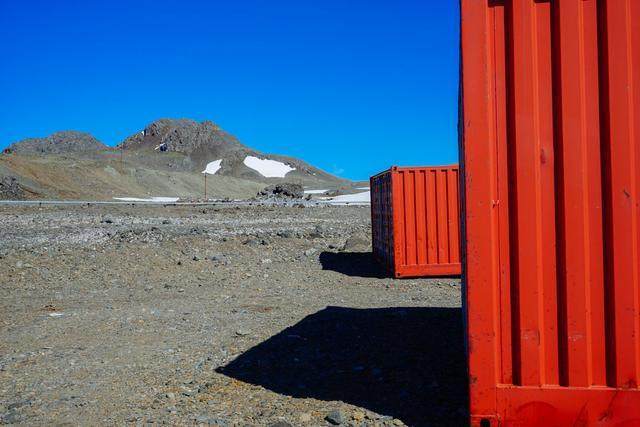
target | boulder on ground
x=287, y=189
x=357, y=242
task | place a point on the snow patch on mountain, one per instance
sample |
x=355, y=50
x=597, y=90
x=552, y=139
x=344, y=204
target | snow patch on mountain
x=213, y=167
x=268, y=168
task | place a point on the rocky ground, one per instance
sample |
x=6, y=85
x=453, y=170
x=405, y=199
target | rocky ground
x=227, y=316
x=10, y=189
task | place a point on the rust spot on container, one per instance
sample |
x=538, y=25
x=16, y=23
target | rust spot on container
x=543, y=156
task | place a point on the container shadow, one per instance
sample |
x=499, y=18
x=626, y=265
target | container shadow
x=358, y=264
x=407, y=363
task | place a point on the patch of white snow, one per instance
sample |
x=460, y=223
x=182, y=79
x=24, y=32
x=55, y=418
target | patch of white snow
x=213, y=167
x=151, y=199
x=364, y=197
x=268, y=168
x=315, y=191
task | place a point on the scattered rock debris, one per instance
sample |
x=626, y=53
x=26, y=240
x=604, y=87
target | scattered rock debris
x=114, y=323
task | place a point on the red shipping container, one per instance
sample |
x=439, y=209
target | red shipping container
x=414, y=220
x=550, y=158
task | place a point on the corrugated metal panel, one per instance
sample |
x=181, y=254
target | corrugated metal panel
x=550, y=154
x=414, y=215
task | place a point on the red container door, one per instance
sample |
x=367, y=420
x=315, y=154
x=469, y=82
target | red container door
x=550, y=155
x=426, y=221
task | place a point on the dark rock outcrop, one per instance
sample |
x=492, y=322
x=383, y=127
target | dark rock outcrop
x=10, y=189
x=182, y=135
x=286, y=189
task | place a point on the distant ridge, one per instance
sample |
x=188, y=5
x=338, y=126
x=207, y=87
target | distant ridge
x=68, y=141
x=166, y=158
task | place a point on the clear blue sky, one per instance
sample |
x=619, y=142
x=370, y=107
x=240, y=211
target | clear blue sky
x=352, y=86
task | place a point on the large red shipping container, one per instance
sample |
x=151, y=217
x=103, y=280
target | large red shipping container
x=415, y=220
x=550, y=160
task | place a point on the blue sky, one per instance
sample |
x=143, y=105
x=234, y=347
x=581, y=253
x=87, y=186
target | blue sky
x=351, y=86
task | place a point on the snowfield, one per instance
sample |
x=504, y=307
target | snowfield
x=268, y=168
x=213, y=167
x=151, y=199
x=364, y=197
x=315, y=191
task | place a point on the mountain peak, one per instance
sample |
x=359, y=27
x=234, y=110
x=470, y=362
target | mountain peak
x=181, y=135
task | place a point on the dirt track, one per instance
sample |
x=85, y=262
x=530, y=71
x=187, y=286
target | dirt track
x=218, y=316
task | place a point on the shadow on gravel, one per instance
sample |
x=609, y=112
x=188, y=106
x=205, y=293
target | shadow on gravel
x=360, y=264
x=407, y=363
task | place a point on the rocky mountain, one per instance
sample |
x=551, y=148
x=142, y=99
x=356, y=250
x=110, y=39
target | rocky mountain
x=166, y=158
x=183, y=136
x=195, y=145
x=63, y=142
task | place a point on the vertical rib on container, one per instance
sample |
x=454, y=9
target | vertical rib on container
x=414, y=219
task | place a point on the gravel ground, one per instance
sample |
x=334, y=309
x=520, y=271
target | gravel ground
x=226, y=316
